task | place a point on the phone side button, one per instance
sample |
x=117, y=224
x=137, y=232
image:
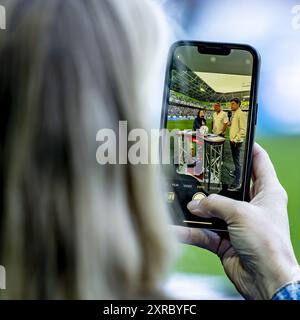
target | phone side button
x=256, y=113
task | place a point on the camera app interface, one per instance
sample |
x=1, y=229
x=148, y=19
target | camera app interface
x=207, y=120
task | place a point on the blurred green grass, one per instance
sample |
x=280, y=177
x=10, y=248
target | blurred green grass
x=285, y=154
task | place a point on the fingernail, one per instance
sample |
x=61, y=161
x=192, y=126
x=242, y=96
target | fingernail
x=193, y=205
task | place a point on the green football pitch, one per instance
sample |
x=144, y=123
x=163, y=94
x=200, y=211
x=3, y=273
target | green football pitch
x=285, y=154
x=187, y=124
x=180, y=124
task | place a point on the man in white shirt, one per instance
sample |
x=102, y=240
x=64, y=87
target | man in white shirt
x=220, y=121
x=237, y=134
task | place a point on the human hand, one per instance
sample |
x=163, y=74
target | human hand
x=259, y=257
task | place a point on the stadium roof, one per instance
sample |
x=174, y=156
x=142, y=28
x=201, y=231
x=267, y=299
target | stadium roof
x=208, y=82
x=226, y=83
x=188, y=83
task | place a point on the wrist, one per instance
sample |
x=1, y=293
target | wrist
x=290, y=291
x=280, y=279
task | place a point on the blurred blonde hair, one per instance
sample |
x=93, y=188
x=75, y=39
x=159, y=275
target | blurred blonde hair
x=70, y=227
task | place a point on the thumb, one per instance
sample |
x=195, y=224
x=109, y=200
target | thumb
x=216, y=206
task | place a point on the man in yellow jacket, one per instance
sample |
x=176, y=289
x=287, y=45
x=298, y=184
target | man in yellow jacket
x=237, y=134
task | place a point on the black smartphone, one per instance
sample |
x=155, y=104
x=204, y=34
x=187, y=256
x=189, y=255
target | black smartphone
x=209, y=116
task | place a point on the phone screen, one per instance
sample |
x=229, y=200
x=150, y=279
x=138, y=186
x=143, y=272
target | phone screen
x=209, y=107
